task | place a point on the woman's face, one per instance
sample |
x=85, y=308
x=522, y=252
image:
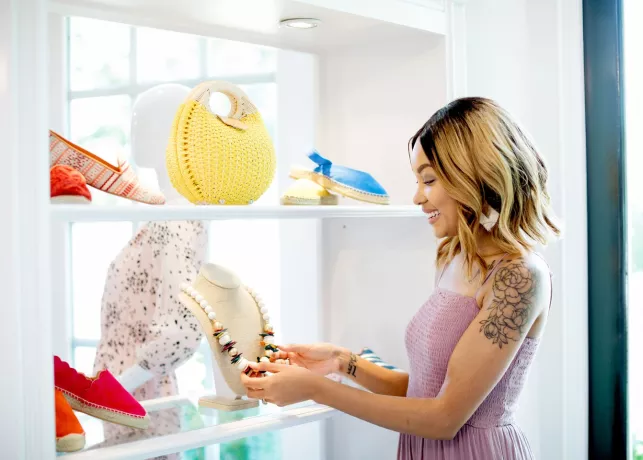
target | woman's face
x=432, y=196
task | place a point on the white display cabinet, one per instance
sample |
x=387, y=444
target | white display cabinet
x=356, y=87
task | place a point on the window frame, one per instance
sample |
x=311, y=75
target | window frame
x=606, y=229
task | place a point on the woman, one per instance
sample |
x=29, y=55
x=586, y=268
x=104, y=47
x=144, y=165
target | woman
x=484, y=188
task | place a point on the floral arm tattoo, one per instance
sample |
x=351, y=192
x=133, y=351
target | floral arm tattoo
x=514, y=289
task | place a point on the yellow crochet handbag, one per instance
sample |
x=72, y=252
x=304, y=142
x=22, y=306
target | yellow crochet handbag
x=213, y=159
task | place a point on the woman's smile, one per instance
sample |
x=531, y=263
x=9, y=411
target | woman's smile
x=433, y=216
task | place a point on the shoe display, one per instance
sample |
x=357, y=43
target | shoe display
x=70, y=435
x=348, y=182
x=68, y=186
x=101, y=396
x=369, y=355
x=307, y=193
x=118, y=180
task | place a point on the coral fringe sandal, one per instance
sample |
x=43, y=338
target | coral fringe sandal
x=101, y=396
x=68, y=186
x=118, y=180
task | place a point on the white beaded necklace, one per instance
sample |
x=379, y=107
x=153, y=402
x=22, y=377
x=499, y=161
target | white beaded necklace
x=224, y=339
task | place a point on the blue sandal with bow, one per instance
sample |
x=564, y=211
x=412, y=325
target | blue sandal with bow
x=345, y=181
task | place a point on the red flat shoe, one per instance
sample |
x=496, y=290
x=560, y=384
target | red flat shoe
x=101, y=396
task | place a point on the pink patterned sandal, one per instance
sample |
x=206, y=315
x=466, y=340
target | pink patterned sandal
x=101, y=396
x=118, y=180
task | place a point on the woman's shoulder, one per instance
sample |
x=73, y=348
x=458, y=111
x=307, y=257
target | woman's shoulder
x=530, y=261
x=526, y=275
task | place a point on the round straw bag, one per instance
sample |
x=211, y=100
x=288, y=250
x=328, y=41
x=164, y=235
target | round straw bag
x=213, y=159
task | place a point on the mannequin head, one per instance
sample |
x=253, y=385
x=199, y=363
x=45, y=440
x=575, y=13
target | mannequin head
x=152, y=117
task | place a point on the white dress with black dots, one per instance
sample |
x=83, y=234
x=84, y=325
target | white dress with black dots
x=142, y=320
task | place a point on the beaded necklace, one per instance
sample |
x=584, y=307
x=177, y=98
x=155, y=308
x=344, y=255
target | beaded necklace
x=223, y=337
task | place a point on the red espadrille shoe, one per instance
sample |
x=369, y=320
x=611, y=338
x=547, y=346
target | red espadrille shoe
x=101, y=396
x=118, y=180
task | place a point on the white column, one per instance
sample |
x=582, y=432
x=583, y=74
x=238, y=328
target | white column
x=300, y=253
x=26, y=386
x=60, y=233
x=573, y=297
x=456, y=51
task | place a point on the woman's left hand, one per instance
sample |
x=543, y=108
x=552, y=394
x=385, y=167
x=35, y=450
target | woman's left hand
x=285, y=385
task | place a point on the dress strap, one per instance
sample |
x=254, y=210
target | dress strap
x=491, y=272
x=437, y=283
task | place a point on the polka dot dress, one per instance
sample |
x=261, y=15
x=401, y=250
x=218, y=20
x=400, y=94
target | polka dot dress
x=142, y=320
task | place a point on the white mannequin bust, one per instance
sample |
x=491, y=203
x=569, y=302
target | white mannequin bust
x=238, y=312
x=152, y=117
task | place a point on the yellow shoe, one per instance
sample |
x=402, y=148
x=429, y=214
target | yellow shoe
x=307, y=193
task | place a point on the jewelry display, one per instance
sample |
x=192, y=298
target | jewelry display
x=238, y=327
x=225, y=340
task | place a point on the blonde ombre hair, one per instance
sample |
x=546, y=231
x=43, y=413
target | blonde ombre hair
x=485, y=161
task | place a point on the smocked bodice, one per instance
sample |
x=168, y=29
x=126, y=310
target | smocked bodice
x=431, y=337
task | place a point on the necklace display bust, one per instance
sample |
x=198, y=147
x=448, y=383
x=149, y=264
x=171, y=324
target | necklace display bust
x=236, y=309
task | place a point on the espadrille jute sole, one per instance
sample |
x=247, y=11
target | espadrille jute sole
x=70, y=443
x=69, y=199
x=333, y=186
x=330, y=200
x=107, y=415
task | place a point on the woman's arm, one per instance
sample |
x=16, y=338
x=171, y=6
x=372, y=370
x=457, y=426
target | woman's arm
x=371, y=376
x=483, y=354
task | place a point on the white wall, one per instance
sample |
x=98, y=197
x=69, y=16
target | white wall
x=377, y=273
x=372, y=100
x=527, y=55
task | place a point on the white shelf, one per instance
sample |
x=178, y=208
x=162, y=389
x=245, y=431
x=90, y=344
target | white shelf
x=91, y=213
x=344, y=23
x=227, y=432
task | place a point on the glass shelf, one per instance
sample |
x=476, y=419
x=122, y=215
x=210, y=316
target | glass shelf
x=199, y=426
x=91, y=213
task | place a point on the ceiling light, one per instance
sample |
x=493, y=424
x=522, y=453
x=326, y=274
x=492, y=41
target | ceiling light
x=300, y=23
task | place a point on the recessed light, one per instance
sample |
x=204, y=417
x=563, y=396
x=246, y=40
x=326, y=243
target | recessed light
x=300, y=23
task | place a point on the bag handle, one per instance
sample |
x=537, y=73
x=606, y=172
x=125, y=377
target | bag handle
x=240, y=104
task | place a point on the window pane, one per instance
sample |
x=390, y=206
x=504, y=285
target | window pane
x=236, y=58
x=166, y=56
x=264, y=97
x=98, y=54
x=94, y=247
x=102, y=126
x=84, y=359
x=255, y=257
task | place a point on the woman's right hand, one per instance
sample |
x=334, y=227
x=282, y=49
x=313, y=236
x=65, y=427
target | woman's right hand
x=319, y=358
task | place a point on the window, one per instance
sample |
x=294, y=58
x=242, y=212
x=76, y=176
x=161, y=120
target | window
x=109, y=65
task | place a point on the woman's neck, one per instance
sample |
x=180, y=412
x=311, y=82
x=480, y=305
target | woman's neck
x=486, y=246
